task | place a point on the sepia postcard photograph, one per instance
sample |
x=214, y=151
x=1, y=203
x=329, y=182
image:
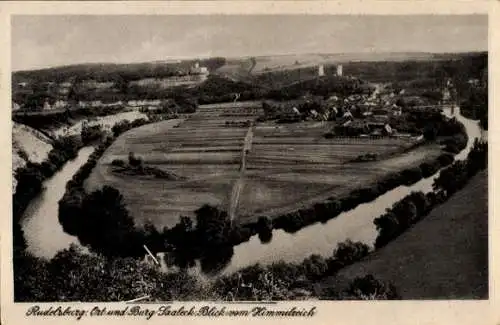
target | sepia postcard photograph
x=245, y=160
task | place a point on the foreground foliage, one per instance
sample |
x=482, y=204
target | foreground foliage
x=75, y=275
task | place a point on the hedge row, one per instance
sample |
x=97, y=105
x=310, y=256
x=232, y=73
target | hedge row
x=74, y=187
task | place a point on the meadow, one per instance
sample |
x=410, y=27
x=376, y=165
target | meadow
x=288, y=166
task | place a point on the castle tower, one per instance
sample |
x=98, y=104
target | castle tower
x=339, y=70
x=321, y=70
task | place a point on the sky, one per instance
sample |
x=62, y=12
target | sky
x=46, y=41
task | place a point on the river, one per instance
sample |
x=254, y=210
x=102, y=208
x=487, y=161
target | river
x=44, y=234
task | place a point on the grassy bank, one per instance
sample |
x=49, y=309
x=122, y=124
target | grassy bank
x=445, y=255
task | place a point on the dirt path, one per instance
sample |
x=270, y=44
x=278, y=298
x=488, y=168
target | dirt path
x=238, y=185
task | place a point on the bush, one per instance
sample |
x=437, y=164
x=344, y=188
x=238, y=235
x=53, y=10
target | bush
x=429, y=168
x=134, y=161
x=118, y=163
x=349, y=252
x=368, y=288
x=411, y=176
x=314, y=267
x=400, y=216
x=445, y=159
x=90, y=134
x=264, y=228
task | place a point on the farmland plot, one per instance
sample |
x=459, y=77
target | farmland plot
x=202, y=149
x=287, y=167
x=291, y=166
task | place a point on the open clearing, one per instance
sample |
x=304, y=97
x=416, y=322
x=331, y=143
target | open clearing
x=288, y=165
x=444, y=256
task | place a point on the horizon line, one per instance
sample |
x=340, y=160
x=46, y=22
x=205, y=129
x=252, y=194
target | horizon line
x=203, y=57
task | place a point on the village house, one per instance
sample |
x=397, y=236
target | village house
x=153, y=102
x=96, y=103
x=133, y=103
x=381, y=129
x=64, y=87
x=446, y=95
x=380, y=114
x=314, y=113
x=60, y=104
x=113, y=104
x=93, y=84
x=196, y=69
x=396, y=110
x=474, y=82
x=82, y=104
x=347, y=123
x=334, y=110
x=47, y=106
x=357, y=97
x=144, y=103
x=333, y=99
x=347, y=116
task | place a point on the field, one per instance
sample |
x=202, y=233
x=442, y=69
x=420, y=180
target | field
x=282, y=167
x=291, y=165
x=27, y=145
x=202, y=149
x=433, y=260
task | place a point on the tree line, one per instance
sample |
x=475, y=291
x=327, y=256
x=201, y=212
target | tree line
x=114, y=72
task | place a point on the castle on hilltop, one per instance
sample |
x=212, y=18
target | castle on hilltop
x=321, y=70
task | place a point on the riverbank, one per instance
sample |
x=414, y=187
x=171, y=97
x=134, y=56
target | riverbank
x=444, y=256
x=42, y=231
